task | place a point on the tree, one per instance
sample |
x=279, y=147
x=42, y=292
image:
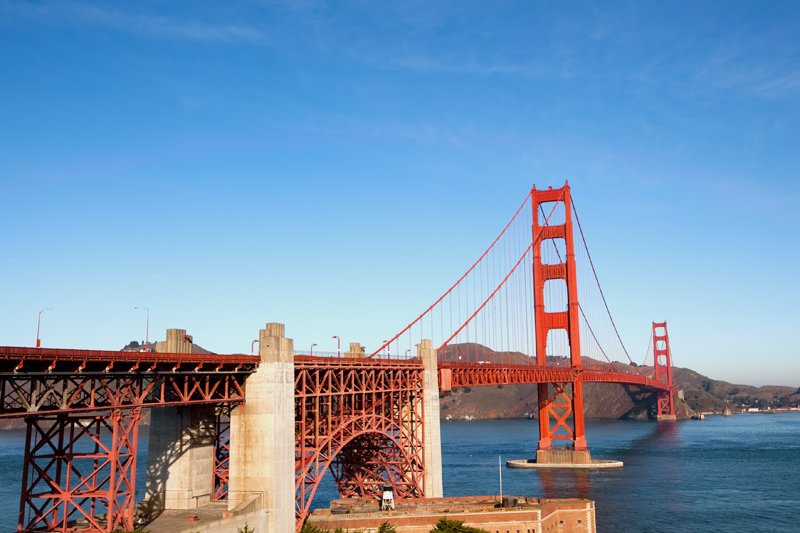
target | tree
x=455, y=526
x=132, y=344
x=386, y=527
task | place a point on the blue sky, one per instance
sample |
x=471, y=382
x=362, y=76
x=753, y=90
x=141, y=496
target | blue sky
x=336, y=167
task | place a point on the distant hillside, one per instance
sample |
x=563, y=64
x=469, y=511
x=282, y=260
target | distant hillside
x=708, y=395
x=134, y=346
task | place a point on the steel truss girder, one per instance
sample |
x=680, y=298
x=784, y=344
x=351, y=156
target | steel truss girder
x=365, y=422
x=475, y=374
x=79, y=473
x=45, y=394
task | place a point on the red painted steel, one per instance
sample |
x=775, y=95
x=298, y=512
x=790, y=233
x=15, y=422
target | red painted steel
x=63, y=357
x=662, y=357
x=568, y=402
x=473, y=374
x=363, y=419
x=222, y=452
x=49, y=381
x=79, y=473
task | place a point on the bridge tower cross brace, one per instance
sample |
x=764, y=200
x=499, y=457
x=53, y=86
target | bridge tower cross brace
x=556, y=404
x=662, y=362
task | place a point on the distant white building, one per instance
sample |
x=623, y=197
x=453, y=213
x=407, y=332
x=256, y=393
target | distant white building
x=753, y=410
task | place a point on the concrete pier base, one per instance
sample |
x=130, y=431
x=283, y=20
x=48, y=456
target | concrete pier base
x=180, y=455
x=533, y=464
x=561, y=458
x=668, y=418
x=180, y=458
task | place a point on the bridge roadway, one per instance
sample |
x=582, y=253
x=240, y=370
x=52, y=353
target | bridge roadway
x=477, y=374
x=39, y=381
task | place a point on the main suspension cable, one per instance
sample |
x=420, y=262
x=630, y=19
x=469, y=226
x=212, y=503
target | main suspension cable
x=605, y=303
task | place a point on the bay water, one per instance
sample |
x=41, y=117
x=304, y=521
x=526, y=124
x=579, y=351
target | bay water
x=724, y=474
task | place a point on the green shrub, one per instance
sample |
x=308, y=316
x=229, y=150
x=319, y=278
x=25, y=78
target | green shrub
x=386, y=527
x=455, y=526
x=245, y=530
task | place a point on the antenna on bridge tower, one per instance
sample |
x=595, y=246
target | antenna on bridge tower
x=662, y=362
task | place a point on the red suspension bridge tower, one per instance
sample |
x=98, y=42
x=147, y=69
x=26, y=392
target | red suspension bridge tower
x=662, y=361
x=557, y=401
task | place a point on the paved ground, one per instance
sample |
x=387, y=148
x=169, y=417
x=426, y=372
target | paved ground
x=170, y=521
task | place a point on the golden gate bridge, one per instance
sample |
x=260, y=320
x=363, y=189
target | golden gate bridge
x=529, y=310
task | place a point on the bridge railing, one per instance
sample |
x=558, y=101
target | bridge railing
x=340, y=356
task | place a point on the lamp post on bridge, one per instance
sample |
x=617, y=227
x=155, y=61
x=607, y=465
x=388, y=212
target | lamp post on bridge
x=252, y=345
x=312, y=350
x=147, y=330
x=39, y=324
x=387, y=348
x=338, y=345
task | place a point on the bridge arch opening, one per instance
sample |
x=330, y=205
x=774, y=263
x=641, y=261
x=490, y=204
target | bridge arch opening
x=365, y=452
x=559, y=215
x=554, y=251
x=555, y=296
x=558, y=352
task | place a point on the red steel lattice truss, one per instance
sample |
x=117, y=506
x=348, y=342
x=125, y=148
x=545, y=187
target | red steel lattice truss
x=79, y=473
x=49, y=381
x=222, y=452
x=472, y=374
x=83, y=466
x=363, y=419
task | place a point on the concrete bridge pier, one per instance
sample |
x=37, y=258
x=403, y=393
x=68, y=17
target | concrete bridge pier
x=431, y=427
x=180, y=458
x=262, y=436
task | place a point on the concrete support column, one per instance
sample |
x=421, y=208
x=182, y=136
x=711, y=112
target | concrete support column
x=355, y=352
x=177, y=342
x=180, y=457
x=431, y=429
x=262, y=434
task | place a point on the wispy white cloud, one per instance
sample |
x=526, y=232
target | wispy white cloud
x=163, y=27
x=753, y=64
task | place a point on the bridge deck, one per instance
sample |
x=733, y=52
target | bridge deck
x=477, y=374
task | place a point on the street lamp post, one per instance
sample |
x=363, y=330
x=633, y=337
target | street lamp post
x=146, y=331
x=39, y=324
x=408, y=352
x=252, y=345
x=387, y=348
x=312, y=350
x=338, y=345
